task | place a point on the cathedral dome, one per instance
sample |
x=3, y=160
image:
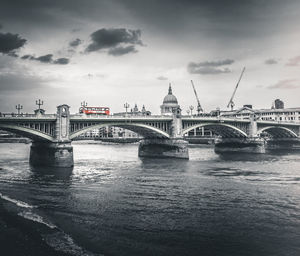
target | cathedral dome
x=170, y=98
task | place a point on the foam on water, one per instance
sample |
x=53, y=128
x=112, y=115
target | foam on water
x=16, y=202
x=62, y=242
x=58, y=240
x=36, y=218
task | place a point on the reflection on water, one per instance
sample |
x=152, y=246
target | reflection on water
x=113, y=202
x=48, y=174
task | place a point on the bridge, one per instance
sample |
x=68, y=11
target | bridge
x=52, y=134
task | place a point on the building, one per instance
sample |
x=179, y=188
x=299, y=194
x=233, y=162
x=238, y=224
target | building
x=275, y=114
x=135, y=112
x=170, y=104
x=278, y=104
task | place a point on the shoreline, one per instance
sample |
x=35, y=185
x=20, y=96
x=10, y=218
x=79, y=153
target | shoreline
x=23, y=231
x=19, y=236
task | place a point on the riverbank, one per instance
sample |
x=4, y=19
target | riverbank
x=25, y=231
x=19, y=236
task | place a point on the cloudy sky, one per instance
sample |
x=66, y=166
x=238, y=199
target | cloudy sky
x=108, y=52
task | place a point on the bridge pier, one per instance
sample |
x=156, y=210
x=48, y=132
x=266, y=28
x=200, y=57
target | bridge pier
x=54, y=154
x=240, y=145
x=164, y=148
x=58, y=153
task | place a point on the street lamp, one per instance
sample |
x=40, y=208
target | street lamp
x=126, y=106
x=19, y=107
x=84, y=104
x=39, y=103
x=191, y=108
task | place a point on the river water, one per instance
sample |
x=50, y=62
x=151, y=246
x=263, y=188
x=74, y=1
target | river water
x=114, y=203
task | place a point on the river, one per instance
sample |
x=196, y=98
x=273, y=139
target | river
x=114, y=203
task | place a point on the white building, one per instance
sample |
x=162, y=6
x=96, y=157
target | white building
x=285, y=114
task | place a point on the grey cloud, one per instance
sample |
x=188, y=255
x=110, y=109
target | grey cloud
x=19, y=82
x=61, y=61
x=209, y=67
x=10, y=42
x=45, y=58
x=74, y=30
x=271, y=61
x=294, y=61
x=118, y=51
x=213, y=63
x=28, y=56
x=75, y=42
x=208, y=71
x=114, y=40
x=285, y=84
x=13, y=54
x=48, y=58
x=233, y=19
x=162, y=78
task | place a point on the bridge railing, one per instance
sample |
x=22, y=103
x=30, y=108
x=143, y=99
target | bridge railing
x=15, y=115
x=244, y=119
x=84, y=116
x=213, y=118
x=283, y=122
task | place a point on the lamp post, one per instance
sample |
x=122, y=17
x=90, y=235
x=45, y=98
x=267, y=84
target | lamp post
x=39, y=103
x=191, y=108
x=19, y=107
x=126, y=106
x=84, y=104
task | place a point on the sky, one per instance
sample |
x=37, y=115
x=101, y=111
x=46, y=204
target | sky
x=109, y=52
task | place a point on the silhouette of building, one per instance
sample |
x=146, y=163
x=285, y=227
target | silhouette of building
x=135, y=112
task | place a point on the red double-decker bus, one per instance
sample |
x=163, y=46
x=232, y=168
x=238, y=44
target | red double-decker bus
x=94, y=110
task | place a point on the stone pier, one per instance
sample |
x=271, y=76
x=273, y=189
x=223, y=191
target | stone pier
x=240, y=145
x=173, y=147
x=59, y=152
x=164, y=148
x=56, y=154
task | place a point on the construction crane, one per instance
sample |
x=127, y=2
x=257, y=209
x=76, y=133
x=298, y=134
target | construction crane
x=199, y=108
x=231, y=103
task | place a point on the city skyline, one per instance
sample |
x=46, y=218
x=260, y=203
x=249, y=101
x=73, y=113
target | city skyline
x=111, y=52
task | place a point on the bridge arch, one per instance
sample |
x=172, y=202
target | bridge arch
x=278, y=132
x=27, y=132
x=224, y=130
x=145, y=130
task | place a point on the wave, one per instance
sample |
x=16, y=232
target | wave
x=16, y=202
x=58, y=240
x=29, y=215
x=62, y=242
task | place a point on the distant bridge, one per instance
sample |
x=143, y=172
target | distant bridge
x=61, y=128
